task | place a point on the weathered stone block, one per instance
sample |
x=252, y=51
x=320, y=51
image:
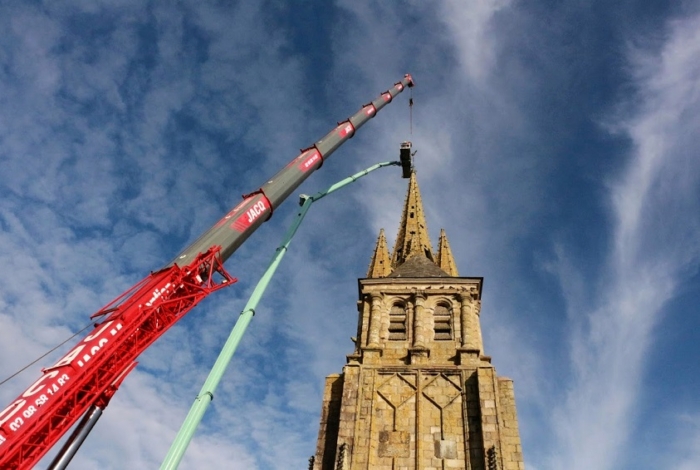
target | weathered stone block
x=394, y=444
x=445, y=449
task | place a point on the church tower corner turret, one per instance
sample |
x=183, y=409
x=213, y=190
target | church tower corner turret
x=418, y=391
x=380, y=264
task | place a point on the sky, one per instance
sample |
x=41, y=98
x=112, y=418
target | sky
x=557, y=146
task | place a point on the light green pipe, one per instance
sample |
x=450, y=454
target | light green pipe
x=206, y=394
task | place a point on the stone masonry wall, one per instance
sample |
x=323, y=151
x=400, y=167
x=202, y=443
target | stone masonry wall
x=512, y=454
x=330, y=421
x=414, y=400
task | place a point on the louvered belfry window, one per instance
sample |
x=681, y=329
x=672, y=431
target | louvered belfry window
x=443, y=322
x=397, y=322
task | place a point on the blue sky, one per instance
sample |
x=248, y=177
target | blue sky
x=557, y=145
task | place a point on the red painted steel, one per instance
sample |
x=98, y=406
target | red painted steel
x=92, y=371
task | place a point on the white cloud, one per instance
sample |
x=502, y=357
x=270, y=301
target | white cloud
x=94, y=191
x=655, y=210
x=471, y=26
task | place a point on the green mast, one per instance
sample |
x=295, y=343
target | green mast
x=206, y=394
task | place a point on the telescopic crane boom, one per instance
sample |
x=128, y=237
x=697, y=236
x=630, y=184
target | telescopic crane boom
x=92, y=371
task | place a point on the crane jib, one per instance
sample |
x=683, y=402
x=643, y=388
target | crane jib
x=93, y=369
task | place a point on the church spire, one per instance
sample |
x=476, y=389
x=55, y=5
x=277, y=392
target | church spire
x=412, y=238
x=445, y=260
x=380, y=266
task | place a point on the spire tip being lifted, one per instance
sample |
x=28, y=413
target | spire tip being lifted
x=406, y=159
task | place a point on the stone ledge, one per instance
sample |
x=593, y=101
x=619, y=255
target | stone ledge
x=419, y=354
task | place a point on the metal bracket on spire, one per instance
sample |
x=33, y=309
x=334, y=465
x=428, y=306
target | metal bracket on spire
x=406, y=159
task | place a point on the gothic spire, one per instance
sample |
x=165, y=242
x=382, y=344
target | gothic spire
x=380, y=266
x=445, y=260
x=412, y=238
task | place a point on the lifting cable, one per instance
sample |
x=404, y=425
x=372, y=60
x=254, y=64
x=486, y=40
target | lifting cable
x=44, y=355
x=410, y=111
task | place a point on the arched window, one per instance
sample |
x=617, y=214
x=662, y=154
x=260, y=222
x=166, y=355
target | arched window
x=442, y=320
x=397, y=322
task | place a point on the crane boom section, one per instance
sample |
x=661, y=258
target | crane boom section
x=236, y=226
x=91, y=372
x=92, y=369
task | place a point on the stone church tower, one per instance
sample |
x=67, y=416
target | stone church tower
x=418, y=391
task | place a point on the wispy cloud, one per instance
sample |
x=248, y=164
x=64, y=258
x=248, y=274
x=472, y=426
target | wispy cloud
x=655, y=212
x=121, y=126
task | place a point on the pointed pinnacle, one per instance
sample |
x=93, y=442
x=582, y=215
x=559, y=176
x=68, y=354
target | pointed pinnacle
x=412, y=238
x=446, y=261
x=380, y=265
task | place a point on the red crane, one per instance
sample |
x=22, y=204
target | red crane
x=89, y=375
